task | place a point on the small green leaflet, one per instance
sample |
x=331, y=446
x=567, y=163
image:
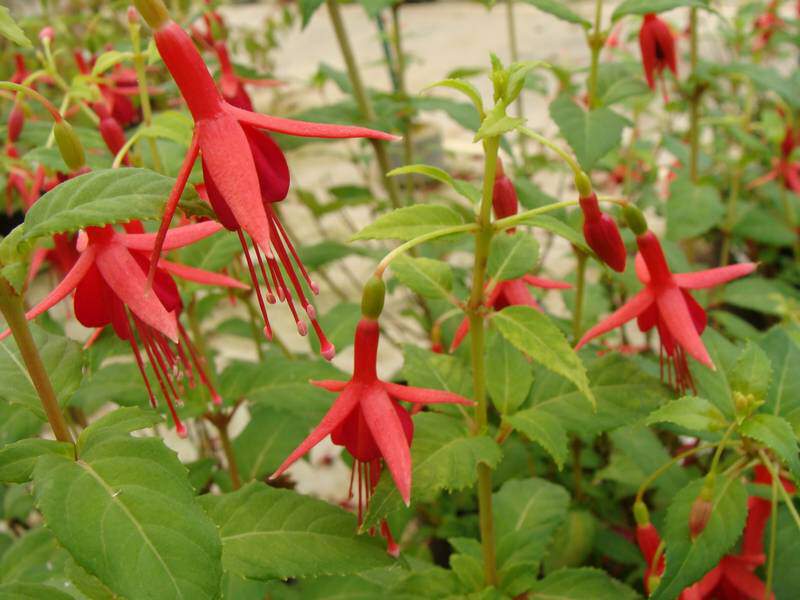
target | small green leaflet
x=535, y=335
x=270, y=533
x=776, y=433
x=466, y=189
x=510, y=378
x=18, y=459
x=543, y=428
x=692, y=412
x=307, y=9
x=10, y=30
x=410, y=222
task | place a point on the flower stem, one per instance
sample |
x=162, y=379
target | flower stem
x=230, y=457
x=483, y=239
x=580, y=293
x=694, y=101
x=595, y=46
x=362, y=98
x=573, y=164
x=406, y=246
x=787, y=499
x=144, y=94
x=520, y=218
x=408, y=124
x=54, y=112
x=11, y=307
x=773, y=538
x=513, y=44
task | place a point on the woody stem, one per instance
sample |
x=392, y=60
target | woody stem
x=362, y=99
x=483, y=239
x=694, y=101
x=11, y=307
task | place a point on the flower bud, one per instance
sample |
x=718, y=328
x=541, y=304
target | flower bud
x=653, y=581
x=69, y=145
x=701, y=510
x=504, y=195
x=373, y=297
x=112, y=134
x=16, y=121
x=47, y=34
x=152, y=11
x=584, y=184
x=635, y=219
x=640, y=513
x=601, y=234
x=133, y=16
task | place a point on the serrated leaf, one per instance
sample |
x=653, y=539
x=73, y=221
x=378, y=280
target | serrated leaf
x=270, y=533
x=18, y=459
x=100, y=197
x=512, y=255
x=120, y=421
x=423, y=368
x=560, y=11
x=410, y=222
x=585, y=583
x=62, y=360
x=267, y=439
x=641, y=7
x=687, y=560
x=777, y=434
x=691, y=412
x=692, y=209
x=535, y=335
x=591, y=134
x=497, y=122
x=509, y=379
x=527, y=514
x=466, y=189
x=752, y=372
x=784, y=355
x=444, y=457
x=543, y=428
x=126, y=502
x=31, y=591
x=559, y=228
x=10, y=30
x=427, y=277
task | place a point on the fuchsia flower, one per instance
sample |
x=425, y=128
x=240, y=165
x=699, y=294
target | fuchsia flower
x=232, y=85
x=766, y=25
x=116, y=89
x=110, y=130
x=658, y=48
x=110, y=287
x=500, y=294
x=602, y=234
x=666, y=304
x=369, y=421
x=787, y=171
x=238, y=162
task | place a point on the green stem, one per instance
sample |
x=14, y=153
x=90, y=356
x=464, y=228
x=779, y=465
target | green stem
x=511, y=26
x=11, y=307
x=21, y=89
x=406, y=246
x=773, y=537
x=230, y=456
x=520, y=218
x=787, y=499
x=573, y=164
x=580, y=293
x=144, y=93
x=645, y=485
x=408, y=123
x=694, y=101
x=362, y=98
x=475, y=313
x=595, y=46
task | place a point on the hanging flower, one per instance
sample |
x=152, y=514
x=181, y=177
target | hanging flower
x=785, y=169
x=238, y=159
x=110, y=287
x=658, y=49
x=666, y=304
x=368, y=419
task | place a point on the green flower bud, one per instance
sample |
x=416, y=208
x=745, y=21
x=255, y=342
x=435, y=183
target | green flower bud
x=640, y=513
x=584, y=184
x=69, y=145
x=635, y=219
x=152, y=11
x=372, y=298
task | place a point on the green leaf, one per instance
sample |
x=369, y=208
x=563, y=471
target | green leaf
x=687, y=560
x=512, y=255
x=445, y=457
x=560, y=11
x=466, y=189
x=10, y=30
x=465, y=87
x=127, y=501
x=585, y=583
x=752, y=372
x=307, y=10
x=691, y=412
x=31, y=591
x=787, y=575
x=777, y=434
x=784, y=356
x=269, y=533
x=108, y=59
x=591, y=134
x=316, y=256
x=410, y=222
x=17, y=422
x=119, y=421
x=62, y=360
x=100, y=197
x=761, y=225
x=543, y=428
x=641, y=7
x=374, y=7
x=427, y=277
x=756, y=293
x=535, y=335
x=423, y=368
x=692, y=209
x=268, y=438
x=509, y=379
x=527, y=514
x=497, y=122
x=18, y=459
x=559, y=228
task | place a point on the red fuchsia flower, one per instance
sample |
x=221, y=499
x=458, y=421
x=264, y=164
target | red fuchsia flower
x=658, y=49
x=117, y=88
x=232, y=85
x=787, y=171
x=20, y=70
x=369, y=421
x=110, y=285
x=766, y=25
x=602, y=234
x=238, y=159
x=110, y=130
x=499, y=294
x=666, y=304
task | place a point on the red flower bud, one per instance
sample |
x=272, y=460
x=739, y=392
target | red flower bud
x=504, y=195
x=16, y=121
x=699, y=515
x=47, y=34
x=602, y=235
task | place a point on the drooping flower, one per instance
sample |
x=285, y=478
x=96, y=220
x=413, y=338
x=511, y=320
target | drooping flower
x=785, y=169
x=232, y=85
x=766, y=25
x=602, y=234
x=658, y=49
x=116, y=88
x=666, y=304
x=369, y=421
x=238, y=159
x=109, y=281
x=110, y=130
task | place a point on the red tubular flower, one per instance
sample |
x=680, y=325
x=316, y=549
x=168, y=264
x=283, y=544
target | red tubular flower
x=784, y=169
x=16, y=121
x=110, y=130
x=111, y=289
x=238, y=159
x=369, y=421
x=665, y=303
x=20, y=70
x=602, y=234
x=658, y=48
x=765, y=26
x=232, y=85
x=116, y=89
